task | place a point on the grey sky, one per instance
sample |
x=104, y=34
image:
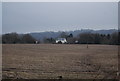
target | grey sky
x=25, y=17
x=0, y=18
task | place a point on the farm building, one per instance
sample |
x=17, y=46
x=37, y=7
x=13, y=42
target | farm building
x=61, y=40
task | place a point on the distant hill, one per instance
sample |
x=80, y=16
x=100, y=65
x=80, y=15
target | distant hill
x=42, y=35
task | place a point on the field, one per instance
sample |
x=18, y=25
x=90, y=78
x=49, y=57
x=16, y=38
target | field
x=50, y=61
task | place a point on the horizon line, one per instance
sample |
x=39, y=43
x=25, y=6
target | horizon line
x=57, y=31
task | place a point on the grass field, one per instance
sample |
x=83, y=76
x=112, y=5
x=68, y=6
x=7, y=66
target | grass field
x=49, y=61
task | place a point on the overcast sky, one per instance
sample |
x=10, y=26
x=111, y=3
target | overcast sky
x=0, y=18
x=23, y=17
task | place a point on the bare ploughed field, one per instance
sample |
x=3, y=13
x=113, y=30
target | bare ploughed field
x=49, y=61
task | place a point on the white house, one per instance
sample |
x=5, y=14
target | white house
x=61, y=40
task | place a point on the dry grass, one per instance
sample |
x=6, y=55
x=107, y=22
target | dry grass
x=48, y=61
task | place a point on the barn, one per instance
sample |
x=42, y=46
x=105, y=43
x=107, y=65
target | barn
x=61, y=40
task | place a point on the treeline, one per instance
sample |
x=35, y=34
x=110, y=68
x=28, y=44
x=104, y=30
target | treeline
x=83, y=38
x=88, y=38
x=14, y=38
